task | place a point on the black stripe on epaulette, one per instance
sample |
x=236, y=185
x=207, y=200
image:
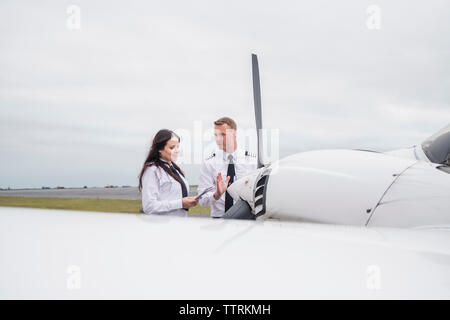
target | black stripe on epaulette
x=211, y=156
x=249, y=154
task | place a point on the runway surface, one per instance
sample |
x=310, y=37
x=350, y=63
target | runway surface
x=102, y=193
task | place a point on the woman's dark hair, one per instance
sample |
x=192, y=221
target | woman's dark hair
x=154, y=158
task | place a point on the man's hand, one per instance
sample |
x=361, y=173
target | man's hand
x=221, y=186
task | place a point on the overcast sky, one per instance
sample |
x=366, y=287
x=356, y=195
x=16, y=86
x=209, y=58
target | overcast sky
x=80, y=106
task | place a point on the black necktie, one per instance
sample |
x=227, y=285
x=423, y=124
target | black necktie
x=231, y=174
x=183, y=186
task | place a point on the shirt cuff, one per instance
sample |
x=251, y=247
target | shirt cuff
x=207, y=199
x=176, y=204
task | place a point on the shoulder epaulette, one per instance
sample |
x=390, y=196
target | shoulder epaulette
x=211, y=156
x=250, y=154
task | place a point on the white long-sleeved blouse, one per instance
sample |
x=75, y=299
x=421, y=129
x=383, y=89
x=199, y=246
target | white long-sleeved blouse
x=161, y=194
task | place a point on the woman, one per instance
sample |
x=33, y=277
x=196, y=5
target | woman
x=162, y=183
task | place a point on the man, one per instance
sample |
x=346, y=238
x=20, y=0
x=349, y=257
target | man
x=223, y=167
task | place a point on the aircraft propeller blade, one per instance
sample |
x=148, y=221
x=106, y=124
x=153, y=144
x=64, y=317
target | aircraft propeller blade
x=257, y=103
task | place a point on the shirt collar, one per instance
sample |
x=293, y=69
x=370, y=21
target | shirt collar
x=226, y=154
x=168, y=164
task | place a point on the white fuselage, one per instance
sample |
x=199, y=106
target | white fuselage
x=353, y=187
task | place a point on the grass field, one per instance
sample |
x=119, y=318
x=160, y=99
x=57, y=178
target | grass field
x=84, y=204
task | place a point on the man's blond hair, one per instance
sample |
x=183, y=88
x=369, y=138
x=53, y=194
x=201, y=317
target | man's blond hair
x=225, y=120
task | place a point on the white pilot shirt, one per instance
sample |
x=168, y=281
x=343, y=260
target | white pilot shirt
x=244, y=163
x=161, y=194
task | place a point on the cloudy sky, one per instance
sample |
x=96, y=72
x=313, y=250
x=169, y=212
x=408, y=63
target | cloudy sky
x=79, y=106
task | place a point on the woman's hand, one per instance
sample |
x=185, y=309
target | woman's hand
x=221, y=186
x=189, y=202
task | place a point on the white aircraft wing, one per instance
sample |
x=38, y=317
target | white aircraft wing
x=73, y=255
